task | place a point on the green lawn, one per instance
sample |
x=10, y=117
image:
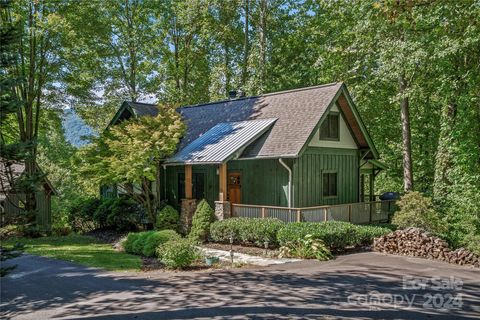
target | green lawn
x=80, y=249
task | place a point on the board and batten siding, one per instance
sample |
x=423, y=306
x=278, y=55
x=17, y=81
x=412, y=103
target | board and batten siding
x=263, y=181
x=44, y=208
x=308, y=171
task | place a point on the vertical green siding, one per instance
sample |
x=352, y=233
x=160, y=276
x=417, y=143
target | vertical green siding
x=262, y=181
x=308, y=171
x=44, y=211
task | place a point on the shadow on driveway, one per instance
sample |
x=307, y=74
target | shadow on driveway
x=365, y=285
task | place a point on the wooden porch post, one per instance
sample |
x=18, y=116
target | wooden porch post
x=222, y=175
x=188, y=181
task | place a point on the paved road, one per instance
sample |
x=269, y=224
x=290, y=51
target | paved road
x=361, y=286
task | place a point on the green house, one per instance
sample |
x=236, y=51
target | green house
x=298, y=148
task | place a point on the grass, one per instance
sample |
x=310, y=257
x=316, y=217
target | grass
x=80, y=249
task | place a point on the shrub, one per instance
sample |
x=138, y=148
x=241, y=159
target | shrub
x=417, y=211
x=139, y=243
x=10, y=231
x=129, y=241
x=202, y=218
x=156, y=239
x=178, y=254
x=81, y=215
x=366, y=234
x=335, y=234
x=124, y=214
x=58, y=230
x=168, y=218
x=251, y=230
x=307, y=248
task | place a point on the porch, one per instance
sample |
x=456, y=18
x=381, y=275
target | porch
x=359, y=213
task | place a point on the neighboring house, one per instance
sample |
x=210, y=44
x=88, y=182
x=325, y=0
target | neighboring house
x=12, y=202
x=297, y=148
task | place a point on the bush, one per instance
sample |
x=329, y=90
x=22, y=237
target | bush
x=307, y=248
x=202, y=218
x=246, y=230
x=81, y=215
x=178, y=254
x=61, y=230
x=168, y=218
x=366, y=234
x=10, y=231
x=417, y=211
x=124, y=214
x=139, y=243
x=129, y=241
x=156, y=239
x=336, y=235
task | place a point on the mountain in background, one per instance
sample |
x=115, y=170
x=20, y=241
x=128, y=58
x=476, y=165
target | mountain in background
x=75, y=128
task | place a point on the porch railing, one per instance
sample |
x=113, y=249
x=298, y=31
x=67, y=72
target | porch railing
x=360, y=212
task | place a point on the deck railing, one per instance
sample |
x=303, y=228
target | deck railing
x=360, y=212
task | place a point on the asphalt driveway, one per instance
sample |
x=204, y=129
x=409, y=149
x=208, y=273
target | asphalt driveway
x=361, y=286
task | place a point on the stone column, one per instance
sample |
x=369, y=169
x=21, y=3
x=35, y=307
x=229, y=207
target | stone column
x=186, y=213
x=222, y=210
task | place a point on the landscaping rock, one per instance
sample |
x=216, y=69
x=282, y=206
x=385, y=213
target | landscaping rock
x=417, y=242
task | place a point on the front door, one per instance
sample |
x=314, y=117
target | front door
x=234, y=187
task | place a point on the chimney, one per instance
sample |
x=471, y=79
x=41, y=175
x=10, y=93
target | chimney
x=232, y=94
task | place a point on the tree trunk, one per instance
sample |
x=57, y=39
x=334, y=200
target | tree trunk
x=406, y=136
x=443, y=157
x=263, y=50
x=245, y=45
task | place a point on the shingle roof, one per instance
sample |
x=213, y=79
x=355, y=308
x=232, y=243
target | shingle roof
x=143, y=109
x=297, y=112
x=222, y=142
x=10, y=170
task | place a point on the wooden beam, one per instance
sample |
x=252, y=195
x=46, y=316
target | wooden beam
x=188, y=181
x=222, y=176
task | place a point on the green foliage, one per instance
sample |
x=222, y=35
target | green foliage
x=416, y=210
x=81, y=216
x=128, y=153
x=139, y=243
x=60, y=231
x=365, y=234
x=156, y=239
x=168, y=218
x=81, y=249
x=202, y=218
x=246, y=230
x=121, y=214
x=129, y=241
x=306, y=248
x=10, y=231
x=335, y=234
x=178, y=254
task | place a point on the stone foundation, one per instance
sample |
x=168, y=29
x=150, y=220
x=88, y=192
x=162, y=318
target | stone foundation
x=186, y=213
x=222, y=210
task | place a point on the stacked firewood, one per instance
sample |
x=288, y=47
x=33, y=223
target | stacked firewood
x=416, y=242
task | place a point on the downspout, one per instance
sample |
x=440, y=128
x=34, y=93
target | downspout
x=289, y=181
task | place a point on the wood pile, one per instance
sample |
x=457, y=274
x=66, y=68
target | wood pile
x=417, y=242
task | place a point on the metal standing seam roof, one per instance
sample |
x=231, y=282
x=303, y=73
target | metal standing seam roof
x=222, y=142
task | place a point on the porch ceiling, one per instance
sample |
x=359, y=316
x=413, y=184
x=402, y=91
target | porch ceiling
x=221, y=143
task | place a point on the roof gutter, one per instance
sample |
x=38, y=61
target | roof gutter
x=289, y=181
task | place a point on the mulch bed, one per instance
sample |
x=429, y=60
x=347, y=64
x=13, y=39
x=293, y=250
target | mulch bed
x=251, y=250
